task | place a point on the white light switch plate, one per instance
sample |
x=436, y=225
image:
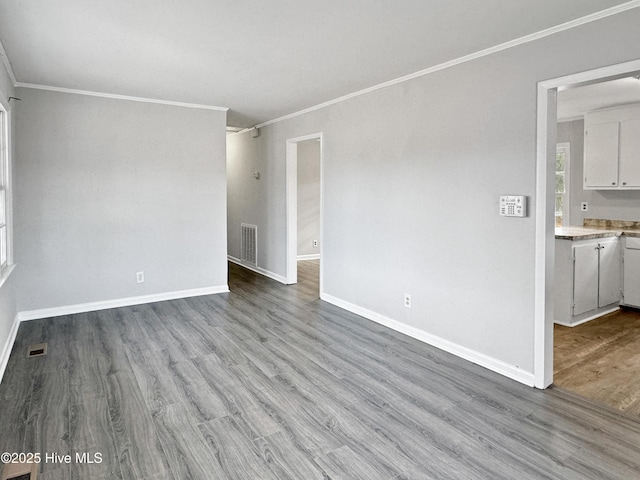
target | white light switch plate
x=513, y=206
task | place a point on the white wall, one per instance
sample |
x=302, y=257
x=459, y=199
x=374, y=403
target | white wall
x=412, y=178
x=106, y=188
x=253, y=200
x=308, y=197
x=8, y=301
x=612, y=205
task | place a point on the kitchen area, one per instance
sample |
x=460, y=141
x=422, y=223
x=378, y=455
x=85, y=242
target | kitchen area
x=597, y=246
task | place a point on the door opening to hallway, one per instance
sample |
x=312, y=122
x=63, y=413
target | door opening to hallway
x=304, y=209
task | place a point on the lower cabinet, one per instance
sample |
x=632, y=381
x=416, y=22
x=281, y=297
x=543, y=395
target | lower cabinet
x=631, y=286
x=588, y=279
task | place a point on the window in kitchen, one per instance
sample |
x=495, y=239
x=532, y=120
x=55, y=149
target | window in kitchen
x=4, y=193
x=562, y=184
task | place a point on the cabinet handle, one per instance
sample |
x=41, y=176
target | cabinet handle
x=613, y=183
x=624, y=183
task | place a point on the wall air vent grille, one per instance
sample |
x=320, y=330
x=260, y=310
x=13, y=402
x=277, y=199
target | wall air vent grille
x=249, y=244
x=37, y=350
x=19, y=471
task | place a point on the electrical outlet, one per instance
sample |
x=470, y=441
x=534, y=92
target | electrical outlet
x=407, y=300
x=315, y=243
x=584, y=206
x=140, y=277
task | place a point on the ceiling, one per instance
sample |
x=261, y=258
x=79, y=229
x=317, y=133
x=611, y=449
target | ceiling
x=573, y=103
x=262, y=59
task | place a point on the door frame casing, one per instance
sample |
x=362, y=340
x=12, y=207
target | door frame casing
x=545, y=209
x=292, y=206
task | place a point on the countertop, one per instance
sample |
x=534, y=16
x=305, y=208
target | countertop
x=588, y=233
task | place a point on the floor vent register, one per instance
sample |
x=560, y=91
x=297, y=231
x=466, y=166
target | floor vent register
x=19, y=471
x=37, y=350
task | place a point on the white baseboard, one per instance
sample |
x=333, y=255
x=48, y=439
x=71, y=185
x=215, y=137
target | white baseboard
x=473, y=356
x=584, y=319
x=119, y=302
x=261, y=271
x=312, y=256
x=8, y=346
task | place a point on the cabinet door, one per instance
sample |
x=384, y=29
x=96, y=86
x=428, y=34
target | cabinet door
x=601, y=155
x=585, y=278
x=630, y=153
x=610, y=273
x=632, y=277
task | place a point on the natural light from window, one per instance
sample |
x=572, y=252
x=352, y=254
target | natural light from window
x=562, y=185
x=4, y=180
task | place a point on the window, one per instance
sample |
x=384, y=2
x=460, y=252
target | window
x=4, y=195
x=562, y=184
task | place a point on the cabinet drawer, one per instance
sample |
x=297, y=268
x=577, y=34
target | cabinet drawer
x=632, y=243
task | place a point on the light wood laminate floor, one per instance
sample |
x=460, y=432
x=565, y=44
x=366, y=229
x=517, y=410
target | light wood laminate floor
x=600, y=360
x=268, y=382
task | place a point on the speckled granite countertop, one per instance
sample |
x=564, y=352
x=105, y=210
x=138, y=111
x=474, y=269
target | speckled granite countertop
x=599, y=228
x=585, y=233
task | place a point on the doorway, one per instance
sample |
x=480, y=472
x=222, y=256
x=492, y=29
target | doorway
x=545, y=211
x=304, y=206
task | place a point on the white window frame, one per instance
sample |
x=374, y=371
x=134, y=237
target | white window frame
x=5, y=192
x=566, y=202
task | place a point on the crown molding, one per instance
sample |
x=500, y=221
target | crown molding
x=467, y=58
x=436, y=68
x=7, y=64
x=119, y=97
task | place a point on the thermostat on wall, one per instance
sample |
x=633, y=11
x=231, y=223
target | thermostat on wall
x=513, y=206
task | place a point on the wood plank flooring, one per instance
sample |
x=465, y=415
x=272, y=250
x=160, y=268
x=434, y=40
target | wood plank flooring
x=600, y=360
x=268, y=382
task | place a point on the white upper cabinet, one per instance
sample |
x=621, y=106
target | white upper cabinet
x=601, y=155
x=630, y=153
x=612, y=148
